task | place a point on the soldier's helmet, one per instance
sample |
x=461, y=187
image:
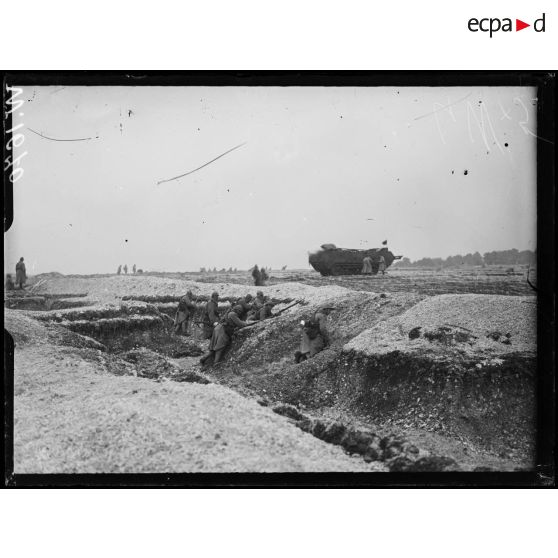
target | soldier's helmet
x=237, y=309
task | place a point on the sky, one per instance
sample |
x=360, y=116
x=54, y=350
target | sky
x=436, y=171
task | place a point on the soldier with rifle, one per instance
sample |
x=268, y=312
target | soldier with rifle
x=210, y=315
x=245, y=305
x=257, y=305
x=222, y=335
x=186, y=309
x=315, y=335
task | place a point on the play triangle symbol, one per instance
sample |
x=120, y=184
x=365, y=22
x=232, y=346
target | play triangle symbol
x=519, y=25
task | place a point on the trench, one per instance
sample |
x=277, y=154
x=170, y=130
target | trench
x=26, y=301
x=493, y=408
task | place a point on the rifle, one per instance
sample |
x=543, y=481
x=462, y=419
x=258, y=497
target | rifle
x=272, y=316
x=286, y=308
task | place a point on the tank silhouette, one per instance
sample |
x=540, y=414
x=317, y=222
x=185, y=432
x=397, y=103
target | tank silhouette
x=331, y=260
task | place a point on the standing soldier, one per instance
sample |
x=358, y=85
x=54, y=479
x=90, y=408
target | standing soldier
x=125, y=269
x=367, y=265
x=134, y=269
x=119, y=270
x=257, y=276
x=185, y=311
x=382, y=265
x=210, y=315
x=315, y=335
x=21, y=274
x=264, y=276
x=222, y=335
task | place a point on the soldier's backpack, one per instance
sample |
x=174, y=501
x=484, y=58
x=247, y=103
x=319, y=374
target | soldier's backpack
x=311, y=328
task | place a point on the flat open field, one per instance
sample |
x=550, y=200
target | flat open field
x=489, y=280
x=103, y=385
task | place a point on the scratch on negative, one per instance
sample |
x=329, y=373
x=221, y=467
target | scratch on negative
x=58, y=139
x=444, y=107
x=204, y=165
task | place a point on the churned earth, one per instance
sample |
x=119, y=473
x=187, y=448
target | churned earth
x=73, y=415
x=413, y=379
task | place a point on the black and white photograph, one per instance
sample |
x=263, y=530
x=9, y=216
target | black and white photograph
x=217, y=274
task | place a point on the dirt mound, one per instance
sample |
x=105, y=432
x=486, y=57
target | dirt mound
x=70, y=416
x=484, y=321
x=112, y=287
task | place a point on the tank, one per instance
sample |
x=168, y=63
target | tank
x=331, y=260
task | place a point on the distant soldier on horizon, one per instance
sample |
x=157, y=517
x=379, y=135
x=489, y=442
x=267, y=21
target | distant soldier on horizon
x=125, y=269
x=21, y=273
x=382, y=265
x=257, y=276
x=134, y=269
x=119, y=270
x=366, y=265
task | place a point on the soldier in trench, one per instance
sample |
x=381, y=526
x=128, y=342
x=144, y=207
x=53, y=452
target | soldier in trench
x=265, y=310
x=186, y=309
x=257, y=305
x=315, y=334
x=210, y=315
x=245, y=305
x=222, y=335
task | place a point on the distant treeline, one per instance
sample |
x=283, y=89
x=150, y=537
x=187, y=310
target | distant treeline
x=501, y=257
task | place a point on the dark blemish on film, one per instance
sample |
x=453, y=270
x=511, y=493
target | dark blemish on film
x=125, y=240
x=506, y=144
x=452, y=172
x=465, y=172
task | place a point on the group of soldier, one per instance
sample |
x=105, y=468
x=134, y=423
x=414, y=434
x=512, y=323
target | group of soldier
x=367, y=268
x=219, y=327
x=260, y=276
x=125, y=269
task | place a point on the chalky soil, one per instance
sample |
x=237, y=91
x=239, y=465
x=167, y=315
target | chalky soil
x=411, y=382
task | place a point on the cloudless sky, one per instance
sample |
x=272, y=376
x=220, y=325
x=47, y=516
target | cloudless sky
x=349, y=166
